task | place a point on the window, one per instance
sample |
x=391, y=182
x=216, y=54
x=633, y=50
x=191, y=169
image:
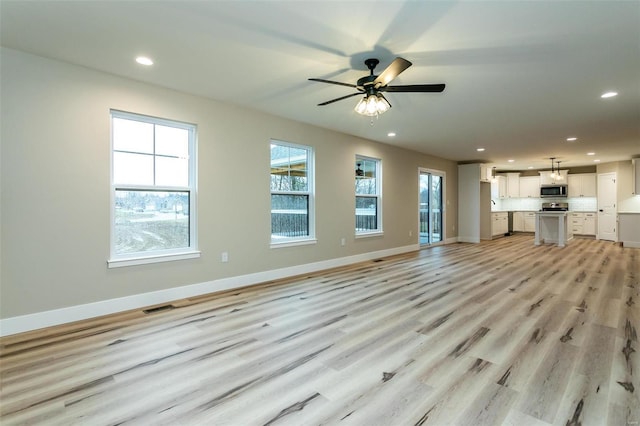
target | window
x=153, y=189
x=292, y=185
x=368, y=196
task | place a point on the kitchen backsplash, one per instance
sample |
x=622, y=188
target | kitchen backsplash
x=535, y=204
x=589, y=204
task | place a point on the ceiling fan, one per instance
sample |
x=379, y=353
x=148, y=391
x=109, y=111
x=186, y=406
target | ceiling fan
x=372, y=86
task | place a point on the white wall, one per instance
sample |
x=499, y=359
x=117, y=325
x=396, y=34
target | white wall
x=55, y=188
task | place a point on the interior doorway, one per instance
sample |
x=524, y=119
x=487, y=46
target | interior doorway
x=607, y=210
x=431, y=207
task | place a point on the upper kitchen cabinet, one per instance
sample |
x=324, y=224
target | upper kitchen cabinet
x=546, y=179
x=485, y=173
x=582, y=185
x=499, y=187
x=530, y=187
x=513, y=185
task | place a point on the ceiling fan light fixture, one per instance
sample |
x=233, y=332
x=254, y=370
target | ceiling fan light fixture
x=383, y=104
x=361, y=106
x=372, y=105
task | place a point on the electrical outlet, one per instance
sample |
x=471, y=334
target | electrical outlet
x=224, y=257
x=411, y=233
x=343, y=241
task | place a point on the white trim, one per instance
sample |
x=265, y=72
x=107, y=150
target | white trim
x=294, y=243
x=369, y=234
x=633, y=244
x=23, y=323
x=132, y=261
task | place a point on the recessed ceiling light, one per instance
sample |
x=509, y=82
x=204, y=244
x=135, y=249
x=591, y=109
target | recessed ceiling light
x=479, y=149
x=391, y=134
x=143, y=60
x=596, y=161
x=571, y=139
x=530, y=167
x=609, y=94
x=511, y=161
x=591, y=153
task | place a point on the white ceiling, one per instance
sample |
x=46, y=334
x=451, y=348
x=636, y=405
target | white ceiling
x=521, y=76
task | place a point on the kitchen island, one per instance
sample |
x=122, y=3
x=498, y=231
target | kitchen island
x=551, y=228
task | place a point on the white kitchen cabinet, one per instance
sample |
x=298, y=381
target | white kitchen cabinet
x=529, y=222
x=499, y=223
x=576, y=222
x=518, y=221
x=582, y=223
x=590, y=227
x=530, y=187
x=485, y=173
x=513, y=185
x=499, y=188
x=582, y=185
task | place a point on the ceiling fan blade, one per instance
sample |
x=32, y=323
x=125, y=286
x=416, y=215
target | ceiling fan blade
x=339, y=99
x=432, y=88
x=392, y=71
x=332, y=82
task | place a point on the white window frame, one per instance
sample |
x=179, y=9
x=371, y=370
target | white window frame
x=140, y=258
x=378, y=196
x=310, y=193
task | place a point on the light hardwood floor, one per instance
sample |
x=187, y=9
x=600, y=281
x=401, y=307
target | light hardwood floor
x=497, y=333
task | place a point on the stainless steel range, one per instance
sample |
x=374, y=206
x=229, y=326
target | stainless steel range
x=555, y=207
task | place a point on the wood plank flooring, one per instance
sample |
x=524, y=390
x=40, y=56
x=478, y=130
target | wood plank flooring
x=497, y=333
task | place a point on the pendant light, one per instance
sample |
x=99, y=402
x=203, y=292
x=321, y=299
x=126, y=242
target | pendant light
x=494, y=179
x=558, y=174
x=553, y=173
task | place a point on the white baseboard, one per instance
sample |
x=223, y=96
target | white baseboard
x=23, y=323
x=634, y=244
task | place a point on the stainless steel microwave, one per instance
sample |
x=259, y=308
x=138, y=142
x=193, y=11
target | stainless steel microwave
x=555, y=190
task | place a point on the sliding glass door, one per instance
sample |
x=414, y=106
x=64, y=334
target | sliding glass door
x=431, y=214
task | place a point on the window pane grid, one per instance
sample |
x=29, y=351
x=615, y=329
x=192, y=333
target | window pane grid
x=169, y=173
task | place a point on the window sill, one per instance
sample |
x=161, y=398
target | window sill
x=369, y=234
x=294, y=243
x=143, y=260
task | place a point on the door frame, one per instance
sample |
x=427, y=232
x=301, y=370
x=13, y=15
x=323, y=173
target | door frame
x=443, y=175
